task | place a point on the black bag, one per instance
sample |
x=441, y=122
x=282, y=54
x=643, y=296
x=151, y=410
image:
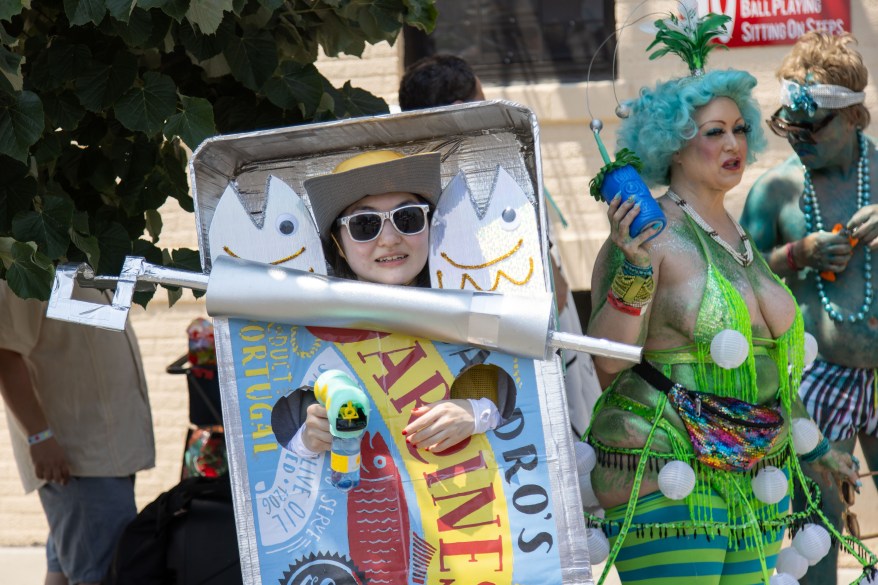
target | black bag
x=186, y=536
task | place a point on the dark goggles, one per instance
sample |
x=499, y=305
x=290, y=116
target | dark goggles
x=800, y=131
x=365, y=226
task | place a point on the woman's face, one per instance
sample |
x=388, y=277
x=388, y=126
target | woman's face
x=715, y=158
x=391, y=258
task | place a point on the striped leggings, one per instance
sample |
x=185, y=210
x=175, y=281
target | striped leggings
x=693, y=560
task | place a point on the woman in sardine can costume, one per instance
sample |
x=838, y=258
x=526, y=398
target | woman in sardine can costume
x=462, y=469
x=698, y=449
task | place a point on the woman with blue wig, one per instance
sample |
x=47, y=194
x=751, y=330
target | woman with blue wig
x=682, y=499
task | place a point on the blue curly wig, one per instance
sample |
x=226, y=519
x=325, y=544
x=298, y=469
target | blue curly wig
x=662, y=119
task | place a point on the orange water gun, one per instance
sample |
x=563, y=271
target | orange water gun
x=838, y=228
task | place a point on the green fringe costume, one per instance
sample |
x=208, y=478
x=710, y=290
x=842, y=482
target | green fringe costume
x=780, y=360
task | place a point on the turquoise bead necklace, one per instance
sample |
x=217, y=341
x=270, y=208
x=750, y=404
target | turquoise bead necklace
x=814, y=223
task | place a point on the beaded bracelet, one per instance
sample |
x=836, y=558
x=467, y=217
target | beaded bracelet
x=624, y=307
x=40, y=437
x=791, y=261
x=631, y=269
x=636, y=291
x=817, y=452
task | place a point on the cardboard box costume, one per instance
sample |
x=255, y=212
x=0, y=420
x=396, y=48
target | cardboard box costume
x=502, y=507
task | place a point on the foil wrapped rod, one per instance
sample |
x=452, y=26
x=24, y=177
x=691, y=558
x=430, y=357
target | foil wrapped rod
x=236, y=288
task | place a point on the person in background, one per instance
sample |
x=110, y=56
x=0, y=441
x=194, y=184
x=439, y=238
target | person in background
x=81, y=428
x=442, y=80
x=814, y=219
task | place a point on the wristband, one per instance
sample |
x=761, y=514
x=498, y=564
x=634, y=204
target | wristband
x=624, y=307
x=791, y=262
x=40, y=437
x=817, y=452
x=631, y=269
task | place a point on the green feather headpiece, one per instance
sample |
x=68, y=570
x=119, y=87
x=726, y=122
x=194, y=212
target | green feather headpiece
x=689, y=36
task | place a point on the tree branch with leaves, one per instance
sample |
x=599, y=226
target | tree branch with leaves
x=101, y=102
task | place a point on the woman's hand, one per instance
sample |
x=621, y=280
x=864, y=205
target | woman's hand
x=316, y=435
x=441, y=425
x=839, y=464
x=621, y=214
x=825, y=251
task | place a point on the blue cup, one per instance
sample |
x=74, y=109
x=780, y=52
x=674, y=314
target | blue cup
x=626, y=181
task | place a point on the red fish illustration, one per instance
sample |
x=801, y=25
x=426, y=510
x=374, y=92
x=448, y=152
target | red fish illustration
x=378, y=521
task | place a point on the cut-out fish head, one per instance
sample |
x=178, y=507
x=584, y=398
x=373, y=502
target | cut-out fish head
x=494, y=249
x=286, y=238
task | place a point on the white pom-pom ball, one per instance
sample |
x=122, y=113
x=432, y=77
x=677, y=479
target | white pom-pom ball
x=729, y=348
x=676, y=480
x=783, y=579
x=810, y=349
x=812, y=542
x=770, y=485
x=598, y=545
x=806, y=435
x=789, y=561
x=585, y=457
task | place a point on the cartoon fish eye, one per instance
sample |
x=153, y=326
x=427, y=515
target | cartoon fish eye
x=287, y=224
x=380, y=461
x=510, y=219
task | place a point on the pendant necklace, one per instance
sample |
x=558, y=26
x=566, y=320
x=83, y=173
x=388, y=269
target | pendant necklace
x=745, y=258
x=814, y=223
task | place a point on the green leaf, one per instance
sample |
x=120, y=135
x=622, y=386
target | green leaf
x=421, y=14
x=101, y=85
x=359, y=102
x=80, y=222
x=17, y=191
x=185, y=259
x=271, y=4
x=145, y=109
x=88, y=244
x=208, y=14
x=58, y=63
x=176, y=9
x=153, y=224
x=30, y=274
x=10, y=8
x=173, y=160
x=138, y=29
x=21, y=123
x=252, y=58
x=204, y=46
x=62, y=110
x=81, y=12
x=336, y=36
x=114, y=244
x=194, y=124
x=299, y=86
x=49, y=147
x=121, y=9
x=153, y=255
x=10, y=67
x=48, y=226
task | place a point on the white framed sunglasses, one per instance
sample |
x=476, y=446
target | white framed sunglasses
x=365, y=226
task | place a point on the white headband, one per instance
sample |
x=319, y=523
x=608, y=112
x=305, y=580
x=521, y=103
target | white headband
x=808, y=98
